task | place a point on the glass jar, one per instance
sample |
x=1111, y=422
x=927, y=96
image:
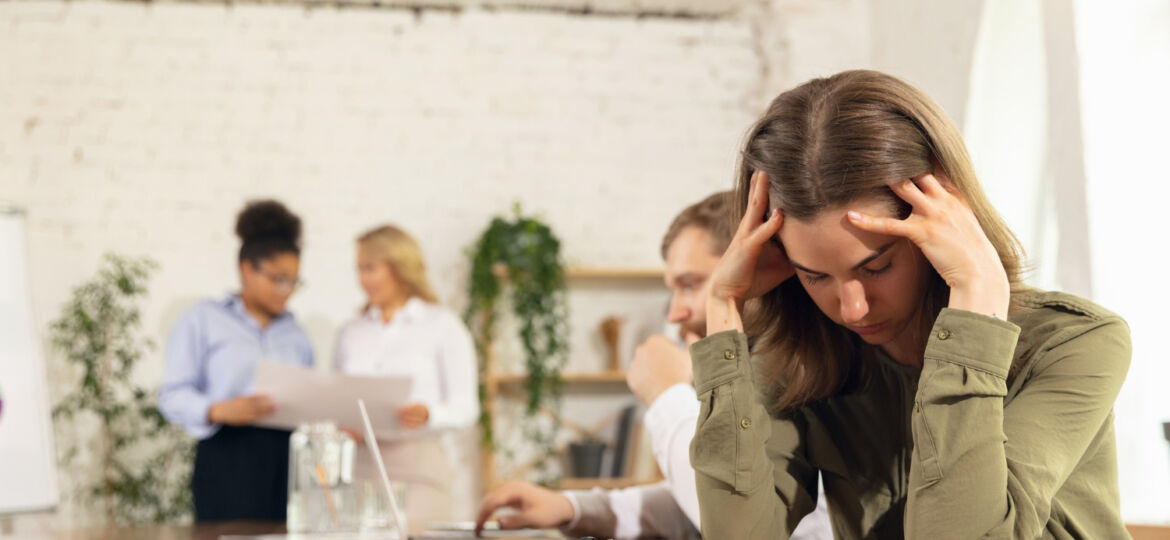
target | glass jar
x=322, y=496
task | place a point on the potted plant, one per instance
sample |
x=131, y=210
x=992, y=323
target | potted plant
x=523, y=256
x=143, y=462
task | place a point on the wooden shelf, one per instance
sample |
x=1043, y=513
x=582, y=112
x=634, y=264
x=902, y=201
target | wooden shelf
x=1149, y=532
x=509, y=386
x=604, y=483
x=613, y=273
x=582, y=377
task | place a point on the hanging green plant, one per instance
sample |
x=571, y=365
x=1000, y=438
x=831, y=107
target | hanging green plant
x=525, y=254
x=143, y=462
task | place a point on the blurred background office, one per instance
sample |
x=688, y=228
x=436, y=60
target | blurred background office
x=140, y=127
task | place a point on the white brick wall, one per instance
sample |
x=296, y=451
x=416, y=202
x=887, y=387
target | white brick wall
x=142, y=129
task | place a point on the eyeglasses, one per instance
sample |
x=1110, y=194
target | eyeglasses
x=282, y=283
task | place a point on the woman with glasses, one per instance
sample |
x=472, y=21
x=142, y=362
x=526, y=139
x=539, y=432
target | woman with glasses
x=241, y=471
x=403, y=331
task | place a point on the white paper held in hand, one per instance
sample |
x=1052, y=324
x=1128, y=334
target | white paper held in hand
x=372, y=445
x=303, y=396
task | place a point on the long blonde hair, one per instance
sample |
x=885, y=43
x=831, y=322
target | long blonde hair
x=827, y=143
x=398, y=249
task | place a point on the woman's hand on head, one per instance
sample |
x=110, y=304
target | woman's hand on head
x=950, y=237
x=753, y=264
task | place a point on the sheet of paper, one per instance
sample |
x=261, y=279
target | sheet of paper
x=305, y=395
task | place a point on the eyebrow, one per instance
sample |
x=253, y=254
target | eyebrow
x=877, y=253
x=670, y=280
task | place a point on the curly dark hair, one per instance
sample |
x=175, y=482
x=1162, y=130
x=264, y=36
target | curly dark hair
x=266, y=229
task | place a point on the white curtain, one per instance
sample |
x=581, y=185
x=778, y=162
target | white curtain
x=1066, y=120
x=1125, y=83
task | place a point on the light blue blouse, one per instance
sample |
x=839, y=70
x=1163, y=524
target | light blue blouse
x=211, y=356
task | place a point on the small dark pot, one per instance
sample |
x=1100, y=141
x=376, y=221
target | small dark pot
x=585, y=458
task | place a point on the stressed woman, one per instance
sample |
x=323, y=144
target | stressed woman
x=898, y=351
x=402, y=331
x=241, y=471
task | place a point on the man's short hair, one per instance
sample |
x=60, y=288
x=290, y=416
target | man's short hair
x=712, y=215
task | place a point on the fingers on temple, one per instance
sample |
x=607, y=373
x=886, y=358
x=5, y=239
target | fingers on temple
x=911, y=193
x=880, y=225
x=770, y=228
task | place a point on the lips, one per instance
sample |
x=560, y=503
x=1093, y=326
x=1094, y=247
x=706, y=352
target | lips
x=866, y=330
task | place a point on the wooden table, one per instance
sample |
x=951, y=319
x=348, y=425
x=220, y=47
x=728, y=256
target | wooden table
x=202, y=531
x=1149, y=532
x=212, y=531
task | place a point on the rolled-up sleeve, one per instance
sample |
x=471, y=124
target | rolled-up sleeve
x=648, y=511
x=670, y=421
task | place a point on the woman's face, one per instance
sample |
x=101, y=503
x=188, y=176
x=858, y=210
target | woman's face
x=377, y=279
x=870, y=283
x=269, y=284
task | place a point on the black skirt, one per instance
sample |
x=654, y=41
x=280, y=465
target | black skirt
x=241, y=473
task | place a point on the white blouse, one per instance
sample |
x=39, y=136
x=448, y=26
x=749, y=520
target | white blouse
x=425, y=342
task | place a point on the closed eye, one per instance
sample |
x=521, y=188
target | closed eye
x=813, y=279
x=878, y=271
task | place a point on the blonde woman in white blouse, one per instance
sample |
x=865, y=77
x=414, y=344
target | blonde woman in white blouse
x=403, y=331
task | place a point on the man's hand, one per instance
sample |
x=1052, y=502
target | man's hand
x=659, y=364
x=535, y=507
x=241, y=411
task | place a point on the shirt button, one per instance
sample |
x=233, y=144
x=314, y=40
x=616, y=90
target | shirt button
x=944, y=334
x=745, y=422
x=729, y=355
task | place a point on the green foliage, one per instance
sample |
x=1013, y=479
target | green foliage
x=137, y=450
x=524, y=252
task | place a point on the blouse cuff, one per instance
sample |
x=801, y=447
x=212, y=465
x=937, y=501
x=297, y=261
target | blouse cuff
x=719, y=358
x=973, y=340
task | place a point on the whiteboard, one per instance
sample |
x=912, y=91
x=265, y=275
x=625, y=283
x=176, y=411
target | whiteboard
x=28, y=470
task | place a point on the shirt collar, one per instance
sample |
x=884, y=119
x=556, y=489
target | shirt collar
x=411, y=311
x=235, y=304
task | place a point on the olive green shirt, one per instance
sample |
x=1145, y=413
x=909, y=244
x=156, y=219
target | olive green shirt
x=956, y=449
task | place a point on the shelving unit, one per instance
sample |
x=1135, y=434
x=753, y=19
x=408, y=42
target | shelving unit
x=569, y=378
x=603, y=483
x=510, y=385
x=596, y=272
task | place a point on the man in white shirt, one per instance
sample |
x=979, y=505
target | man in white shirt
x=660, y=375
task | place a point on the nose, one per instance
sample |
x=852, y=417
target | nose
x=854, y=307
x=678, y=311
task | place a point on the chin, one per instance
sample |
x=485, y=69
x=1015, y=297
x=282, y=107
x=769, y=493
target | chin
x=880, y=338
